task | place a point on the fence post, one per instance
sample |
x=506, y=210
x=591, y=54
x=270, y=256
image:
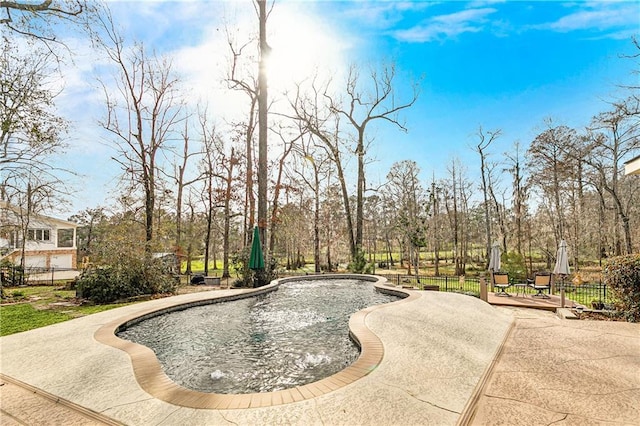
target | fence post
x=483, y=289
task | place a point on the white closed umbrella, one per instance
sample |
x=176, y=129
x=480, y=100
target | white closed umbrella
x=494, y=259
x=562, y=260
x=562, y=267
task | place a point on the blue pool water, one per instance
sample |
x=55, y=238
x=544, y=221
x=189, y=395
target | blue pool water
x=286, y=338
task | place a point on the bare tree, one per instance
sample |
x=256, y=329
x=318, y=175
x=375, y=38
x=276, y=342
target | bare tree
x=310, y=158
x=332, y=219
x=365, y=103
x=635, y=56
x=451, y=202
x=31, y=135
x=519, y=192
x=403, y=186
x=191, y=233
x=141, y=114
x=31, y=193
x=89, y=221
x=208, y=167
x=547, y=164
x=615, y=136
x=435, y=197
x=182, y=181
x=240, y=79
x=485, y=139
x=30, y=132
x=318, y=119
x=227, y=176
x=388, y=215
x=499, y=206
x=289, y=140
x=37, y=19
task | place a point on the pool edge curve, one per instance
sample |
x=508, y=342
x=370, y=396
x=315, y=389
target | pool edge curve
x=152, y=379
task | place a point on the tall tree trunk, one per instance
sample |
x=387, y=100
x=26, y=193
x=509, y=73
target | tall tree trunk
x=262, y=124
x=360, y=186
x=346, y=203
x=189, y=253
x=149, y=205
x=316, y=223
x=483, y=144
x=227, y=215
x=250, y=205
x=275, y=210
x=487, y=219
x=207, y=237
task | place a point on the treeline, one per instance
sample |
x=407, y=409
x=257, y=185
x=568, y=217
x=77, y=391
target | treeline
x=568, y=184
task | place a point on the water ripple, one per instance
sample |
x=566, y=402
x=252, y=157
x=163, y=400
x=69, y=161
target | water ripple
x=290, y=337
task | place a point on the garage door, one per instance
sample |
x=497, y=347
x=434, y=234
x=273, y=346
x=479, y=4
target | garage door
x=35, y=261
x=61, y=261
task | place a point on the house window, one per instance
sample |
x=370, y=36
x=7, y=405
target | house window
x=39, y=234
x=65, y=237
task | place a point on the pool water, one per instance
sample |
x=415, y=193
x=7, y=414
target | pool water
x=290, y=337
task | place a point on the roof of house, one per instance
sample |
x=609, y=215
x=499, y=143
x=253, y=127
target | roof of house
x=632, y=167
x=4, y=205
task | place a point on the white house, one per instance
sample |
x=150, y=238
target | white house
x=50, y=242
x=632, y=167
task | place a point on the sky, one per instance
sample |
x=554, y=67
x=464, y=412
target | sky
x=499, y=65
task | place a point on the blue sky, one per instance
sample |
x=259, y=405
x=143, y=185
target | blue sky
x=505, y=65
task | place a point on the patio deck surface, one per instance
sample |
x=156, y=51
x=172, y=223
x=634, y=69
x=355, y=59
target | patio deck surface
x=528, y=301
x=566, y=372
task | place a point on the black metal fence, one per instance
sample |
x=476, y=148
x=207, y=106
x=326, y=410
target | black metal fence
x=16, y=276
x=588, y=294
x=585, y=294
x=463, y=284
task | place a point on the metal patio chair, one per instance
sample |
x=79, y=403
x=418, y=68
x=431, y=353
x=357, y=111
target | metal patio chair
x=501, y=282
x=541, y=281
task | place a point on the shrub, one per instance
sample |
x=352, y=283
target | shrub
x=514, y=264
x=359, y=264
x=622, y=276
x=10, y=275
x=253, y=278
x=127, y=279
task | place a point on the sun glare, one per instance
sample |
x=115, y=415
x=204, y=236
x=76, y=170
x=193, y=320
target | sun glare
x=301, y=47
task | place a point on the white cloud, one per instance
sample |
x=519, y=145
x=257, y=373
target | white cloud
x=605, y=17
x=447, y=26
x=383, y=14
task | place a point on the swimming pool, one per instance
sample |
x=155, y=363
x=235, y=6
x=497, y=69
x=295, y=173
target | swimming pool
x=283, y=339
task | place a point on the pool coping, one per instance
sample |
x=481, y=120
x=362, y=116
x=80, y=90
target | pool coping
x=150, y=376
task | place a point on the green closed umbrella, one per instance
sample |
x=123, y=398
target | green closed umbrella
x=256, y=260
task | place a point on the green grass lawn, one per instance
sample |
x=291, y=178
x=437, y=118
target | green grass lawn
x=197, y=267
x=23, y=317
x=39, y=306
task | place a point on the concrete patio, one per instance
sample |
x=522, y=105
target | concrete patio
x=448, y=359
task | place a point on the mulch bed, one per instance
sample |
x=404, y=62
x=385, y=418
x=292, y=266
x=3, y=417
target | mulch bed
x=599, y=315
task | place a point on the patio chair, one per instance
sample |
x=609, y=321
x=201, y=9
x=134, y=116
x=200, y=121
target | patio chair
x=540, y=282
x=501, y=282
